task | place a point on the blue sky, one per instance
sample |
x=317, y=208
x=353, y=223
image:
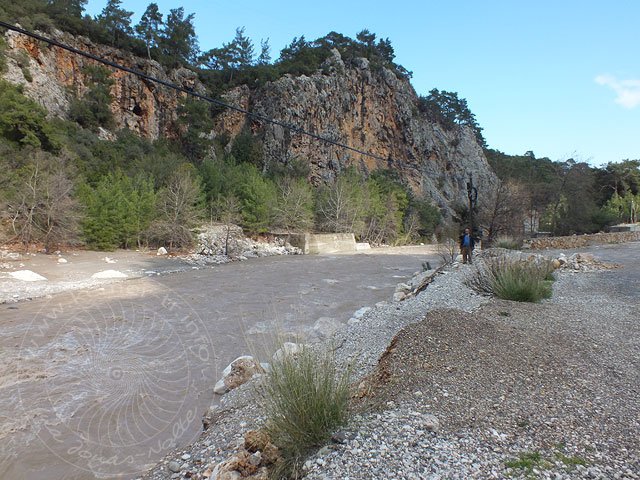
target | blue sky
x=559, y=78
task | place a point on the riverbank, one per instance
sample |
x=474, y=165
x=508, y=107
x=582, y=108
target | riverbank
x=473, y=387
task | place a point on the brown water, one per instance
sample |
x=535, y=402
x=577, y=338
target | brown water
x=103, y=383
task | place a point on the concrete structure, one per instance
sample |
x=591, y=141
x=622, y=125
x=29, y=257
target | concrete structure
x=317, y=243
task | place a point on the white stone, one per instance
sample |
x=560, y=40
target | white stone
x=62, y=260
x=360, y=312
x=326, y=326
x=27, y=276
x=220, y=388
x=288, y=349
x=161, y=251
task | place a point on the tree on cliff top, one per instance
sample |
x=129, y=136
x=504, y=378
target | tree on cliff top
x=116, y=21
x=150, y=27
x=448, y=110
x=178, y=43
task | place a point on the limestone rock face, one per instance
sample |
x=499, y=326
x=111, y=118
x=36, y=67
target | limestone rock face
x=57, y=76
x=370, y=110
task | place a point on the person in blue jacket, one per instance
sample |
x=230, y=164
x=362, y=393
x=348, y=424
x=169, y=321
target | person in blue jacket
x=467, y=244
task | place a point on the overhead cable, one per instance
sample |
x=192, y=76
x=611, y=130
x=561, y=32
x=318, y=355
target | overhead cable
x=256, y=116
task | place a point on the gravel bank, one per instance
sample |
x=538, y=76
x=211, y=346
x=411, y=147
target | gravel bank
x=474, y=387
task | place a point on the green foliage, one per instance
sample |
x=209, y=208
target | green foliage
x=93, y=110
x=23, y=121
x=257, y=196
x=194, y=120
x=256, y=193
x=177, y=43
x=511, y=279
x=246, y=148
x=623, y=208
x=150, y=27
x=306, y=400
x=116, y=21
x=118, y=210
x=448, y=110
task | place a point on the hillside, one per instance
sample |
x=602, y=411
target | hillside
x=374, y=110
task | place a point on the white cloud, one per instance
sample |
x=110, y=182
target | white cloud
x=628, y=91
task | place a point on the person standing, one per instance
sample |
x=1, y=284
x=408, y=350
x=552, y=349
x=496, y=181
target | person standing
x=467, y=244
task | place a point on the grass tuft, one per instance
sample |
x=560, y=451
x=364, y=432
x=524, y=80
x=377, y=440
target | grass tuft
x=306, y=400
x=507, y=242
x=517, y=280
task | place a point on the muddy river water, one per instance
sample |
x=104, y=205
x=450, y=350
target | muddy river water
x=102, y=383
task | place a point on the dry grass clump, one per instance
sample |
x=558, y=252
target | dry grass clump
x=507, y=242
x=513, y=279
x=306, y=400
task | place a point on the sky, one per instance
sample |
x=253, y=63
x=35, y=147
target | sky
x=558, y=78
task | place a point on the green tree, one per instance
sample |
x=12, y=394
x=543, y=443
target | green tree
x=71, y=8
x=257, y=196
x=196, y=124
x=150, y=27
x=116, y=21
x=447, y=109
x=178, y=43
x=231, y=57
x=247, y=149
x=93, y=109
x=119, y=210
x=23, y=121
x=265, y=53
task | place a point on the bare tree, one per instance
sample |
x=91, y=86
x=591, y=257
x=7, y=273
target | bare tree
x=179, y=209
x=505, y=210
x=228, y=211
x=294, y=209
x=340, y=206
x=39, y=205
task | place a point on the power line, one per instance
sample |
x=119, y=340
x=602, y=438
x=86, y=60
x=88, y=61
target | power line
x=138, y=73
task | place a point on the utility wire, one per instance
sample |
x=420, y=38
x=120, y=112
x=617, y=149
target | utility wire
x=138, y=73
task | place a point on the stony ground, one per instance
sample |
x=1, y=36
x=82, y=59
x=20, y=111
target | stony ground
x=473, y=387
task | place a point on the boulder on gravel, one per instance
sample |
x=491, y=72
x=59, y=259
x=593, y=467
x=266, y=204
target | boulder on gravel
x=237, y=373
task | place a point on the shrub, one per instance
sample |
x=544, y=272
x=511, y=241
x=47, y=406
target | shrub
x=306, y=399
x=511, y=279
x=507, y=242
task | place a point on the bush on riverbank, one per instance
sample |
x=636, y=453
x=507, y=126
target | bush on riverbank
x=512, y=279
x=306, y=399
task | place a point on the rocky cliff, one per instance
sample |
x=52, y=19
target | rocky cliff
x=372, y=110
x=53, y=77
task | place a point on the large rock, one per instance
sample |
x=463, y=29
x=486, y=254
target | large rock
x=239, y=372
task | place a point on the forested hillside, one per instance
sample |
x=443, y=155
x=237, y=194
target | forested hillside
x=96, y=173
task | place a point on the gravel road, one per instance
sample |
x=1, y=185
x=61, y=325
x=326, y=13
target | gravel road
x=474, y=387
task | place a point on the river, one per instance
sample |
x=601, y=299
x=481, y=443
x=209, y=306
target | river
x=102, y=383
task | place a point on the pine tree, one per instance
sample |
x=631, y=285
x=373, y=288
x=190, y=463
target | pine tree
x=150, y=27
